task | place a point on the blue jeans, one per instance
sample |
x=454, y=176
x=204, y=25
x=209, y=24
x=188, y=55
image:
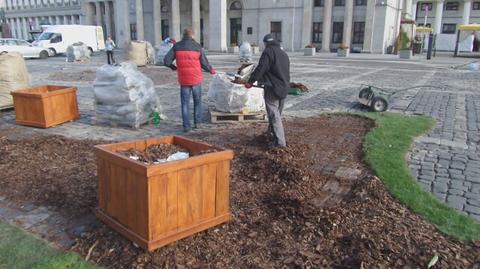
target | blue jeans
x=197, y=104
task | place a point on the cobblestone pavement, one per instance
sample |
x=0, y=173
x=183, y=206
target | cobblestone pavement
x=445, y=161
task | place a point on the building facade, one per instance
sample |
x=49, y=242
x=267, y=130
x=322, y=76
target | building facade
x=363, y=25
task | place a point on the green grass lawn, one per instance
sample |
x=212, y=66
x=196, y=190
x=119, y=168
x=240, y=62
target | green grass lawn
x=19, y=250
x=386, y=147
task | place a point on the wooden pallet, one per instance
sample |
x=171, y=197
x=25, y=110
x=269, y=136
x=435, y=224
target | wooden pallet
x=219, y=117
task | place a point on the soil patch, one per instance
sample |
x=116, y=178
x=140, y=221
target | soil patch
x=85, y=76
x=313, y=205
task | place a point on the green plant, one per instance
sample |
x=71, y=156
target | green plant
x=343, y=46
x=310, y=46
x=404, y=41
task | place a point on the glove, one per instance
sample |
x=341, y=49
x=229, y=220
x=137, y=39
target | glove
x=248, y=85
x=173, y=67
x=213, y=71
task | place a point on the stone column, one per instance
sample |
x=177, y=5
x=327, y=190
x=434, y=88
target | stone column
x=37, y=23
x=88, y=13
x=196, y=19
x=108, y=18
x=368, y=33
x=98, y=13
x=327, y=25
x=175, y=27
x=217, y=32
x=414, y=10
x=11, y=23
x=25, y=28
x=72, y=19
x=157, y=22
x=122, y=25
x=438, y=17
x=307, y=22
x=467, y=6
x=57, y=20
x=139, y=17
x=348, y=23
x=407, y=10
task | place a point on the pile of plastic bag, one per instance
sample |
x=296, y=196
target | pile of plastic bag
x=141, y=53
x=226, y=96
x=246, y=52
x=164, y=48
x=13, y=76
x=78, y=52
x=124, y=95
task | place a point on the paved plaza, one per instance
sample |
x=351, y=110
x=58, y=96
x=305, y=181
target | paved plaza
x=446, y=160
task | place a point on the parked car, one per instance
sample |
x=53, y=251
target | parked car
x=22, y=47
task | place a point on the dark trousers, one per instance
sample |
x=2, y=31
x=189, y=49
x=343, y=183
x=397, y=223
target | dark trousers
x=110, y=59
x=274, y=106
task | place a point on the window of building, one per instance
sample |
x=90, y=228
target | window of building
x=337, y=33
x=318, y=3
x=276, y=30
x=236, y=6
x=249, y=31
x=358, y=32
x=133, y=31
x=360, y=2
x=425, y=6
x=339, y=3
x=317, y=32
x=165, y=29
x=452, y=5
x=449, y=28
x=476, y=5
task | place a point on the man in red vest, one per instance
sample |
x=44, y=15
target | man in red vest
x=190, y=59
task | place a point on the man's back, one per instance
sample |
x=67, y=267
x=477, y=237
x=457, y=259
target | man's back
x=274, y=70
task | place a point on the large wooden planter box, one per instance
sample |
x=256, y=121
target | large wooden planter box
x=154, y=205
x=45, y=106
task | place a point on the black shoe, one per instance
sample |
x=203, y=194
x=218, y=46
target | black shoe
x=195, y=126
x=186, y=130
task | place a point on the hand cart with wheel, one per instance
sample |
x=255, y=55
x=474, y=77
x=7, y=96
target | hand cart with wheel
x=374, y=97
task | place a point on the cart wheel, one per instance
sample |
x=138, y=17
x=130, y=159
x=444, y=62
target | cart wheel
x=365, y=93
x=379, y=104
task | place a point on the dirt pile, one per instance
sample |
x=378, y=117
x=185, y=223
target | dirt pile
x=313, y=205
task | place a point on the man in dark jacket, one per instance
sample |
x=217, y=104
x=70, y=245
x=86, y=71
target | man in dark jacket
x=273, y=71
x=190, y=59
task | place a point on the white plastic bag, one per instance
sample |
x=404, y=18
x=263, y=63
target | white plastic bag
x=13, y=76
x=162, y=51
x=226, y=96
x=78, y=52
x=124, y=95
x=178, y=156
x=246, y=52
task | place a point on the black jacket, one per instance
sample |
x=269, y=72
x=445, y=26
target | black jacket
x=273, y=70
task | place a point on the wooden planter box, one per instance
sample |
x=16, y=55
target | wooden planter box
x=405, y=54
x=154, y=205
x=45, y=106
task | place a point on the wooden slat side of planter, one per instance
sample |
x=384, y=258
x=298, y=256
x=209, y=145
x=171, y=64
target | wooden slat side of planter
x=123, y=196
x=29, y=111
x=60, y=106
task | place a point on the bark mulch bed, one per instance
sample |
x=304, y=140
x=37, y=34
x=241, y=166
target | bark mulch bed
x=313, y=205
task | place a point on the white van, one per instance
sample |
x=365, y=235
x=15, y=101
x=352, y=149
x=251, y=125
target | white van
x=57, y=38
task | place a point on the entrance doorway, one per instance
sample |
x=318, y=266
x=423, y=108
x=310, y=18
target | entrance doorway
x=235, y=31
